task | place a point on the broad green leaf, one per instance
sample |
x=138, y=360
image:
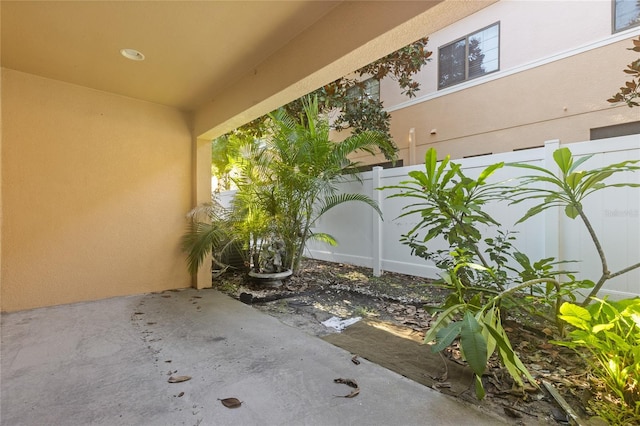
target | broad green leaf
x=600, y=327
x=572, y=211
x=442, y=319
x=563, y=159
x=506, y=350
x=488, y=318
x=489, y=171
x=593, y=179
x=323, y=237
x=506, y=355
x=475, y=301
x=480, y=392
x=441, y=168
x=574, y=179
x=575, y=315
x=581, y=160
x=420, y=177
x=473, y=344
x=430, y=159
x=446, y=336
x=533, y=211
x=620, y=343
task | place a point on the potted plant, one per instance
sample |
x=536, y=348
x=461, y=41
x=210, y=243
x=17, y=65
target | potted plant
x=247, y=227
x=285, y=182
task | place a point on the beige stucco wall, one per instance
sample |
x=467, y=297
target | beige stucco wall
x=562, y=99
x=95, y=187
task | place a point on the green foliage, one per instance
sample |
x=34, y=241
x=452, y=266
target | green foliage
x=304, y=165
x=607, y=335
x=401, y=65
x=360, y=115
x=481, y=334
x=286, y=182
x=567, y=189
x=630, y=92
x=207, y=232
x=450, y=206
x=224, y=159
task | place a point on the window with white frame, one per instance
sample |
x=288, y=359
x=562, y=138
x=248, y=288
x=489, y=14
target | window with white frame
x=369, y=88
x=366, y=90
x=626, y=14
x=472, y=56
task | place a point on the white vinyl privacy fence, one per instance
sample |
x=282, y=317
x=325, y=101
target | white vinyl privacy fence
x=366, y=240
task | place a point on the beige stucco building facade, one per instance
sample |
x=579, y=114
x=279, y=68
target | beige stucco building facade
x=559, y=62
x=101, y=158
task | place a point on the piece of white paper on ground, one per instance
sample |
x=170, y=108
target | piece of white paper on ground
x=340, y=324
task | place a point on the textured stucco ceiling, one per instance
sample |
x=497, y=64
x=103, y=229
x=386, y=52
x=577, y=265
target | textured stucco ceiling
x=192, y=49
x=226, y=61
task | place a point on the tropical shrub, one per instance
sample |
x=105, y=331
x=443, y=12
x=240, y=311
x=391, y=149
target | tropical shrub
x=607, y=335
x=286, y=181
x=483, y=282
x=450, y=206
x=208, y=233
x=568, y=189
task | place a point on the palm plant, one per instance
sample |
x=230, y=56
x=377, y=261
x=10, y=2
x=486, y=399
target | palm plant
x=207, y=233
x=286, y=182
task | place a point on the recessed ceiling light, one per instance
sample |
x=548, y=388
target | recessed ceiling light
x=132, y=54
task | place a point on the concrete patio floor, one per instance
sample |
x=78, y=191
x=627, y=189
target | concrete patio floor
x=108, y=363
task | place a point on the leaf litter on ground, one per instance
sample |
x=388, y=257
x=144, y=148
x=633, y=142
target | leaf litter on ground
x=351, y=383
x=322, y=289
x=230, y=402
x=178, y=379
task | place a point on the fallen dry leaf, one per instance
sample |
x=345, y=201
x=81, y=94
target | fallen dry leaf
x=353, y=393
x=179, y=379
x=351, y=383
x=231, y=402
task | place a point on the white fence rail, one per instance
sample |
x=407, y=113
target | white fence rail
x=366, y=240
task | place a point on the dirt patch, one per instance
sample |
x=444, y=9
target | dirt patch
x=395, y=319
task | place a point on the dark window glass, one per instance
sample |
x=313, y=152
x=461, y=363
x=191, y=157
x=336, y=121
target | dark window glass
x=452, y=63
x=369, y=89
x=616, y=130
x=626, y=14
x=473, y=56
x=364, y=91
